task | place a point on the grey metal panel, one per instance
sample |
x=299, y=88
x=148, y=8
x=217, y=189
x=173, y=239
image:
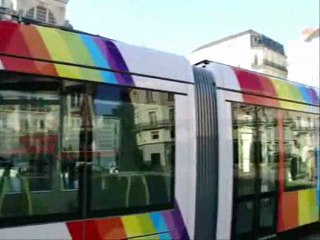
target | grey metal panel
x=207, y=155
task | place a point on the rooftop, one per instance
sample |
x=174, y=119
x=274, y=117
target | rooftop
x=257, y=40
x=250, y=31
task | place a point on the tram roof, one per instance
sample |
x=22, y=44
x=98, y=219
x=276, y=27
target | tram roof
x=254, y=83
x=72, y=54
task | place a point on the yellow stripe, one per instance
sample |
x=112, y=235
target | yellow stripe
x=146, y=224
x=308, y=210
x=132, y=226
x=292, y=106
x=80, y=55
x=59, y=51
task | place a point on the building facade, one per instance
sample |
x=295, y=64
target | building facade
x=51, y=12
x=303, y=58
x=154, y=122
x=249, y=49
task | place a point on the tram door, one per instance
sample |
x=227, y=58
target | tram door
x=255, y=134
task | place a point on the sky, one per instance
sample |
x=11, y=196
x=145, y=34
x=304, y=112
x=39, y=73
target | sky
x=180, y=26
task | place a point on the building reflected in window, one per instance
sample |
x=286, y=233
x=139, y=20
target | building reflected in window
x=70, y=145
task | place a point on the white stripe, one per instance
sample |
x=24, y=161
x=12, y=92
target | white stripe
x=225, y=168
x=43, y=231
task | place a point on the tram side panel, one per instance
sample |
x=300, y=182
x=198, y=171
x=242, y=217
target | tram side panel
x=263, y=189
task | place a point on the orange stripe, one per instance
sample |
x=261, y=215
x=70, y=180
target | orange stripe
x=38, y=49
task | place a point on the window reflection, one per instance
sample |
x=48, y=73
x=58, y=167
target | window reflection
x=29, y=148
x=255, y=148
x=73, y=108
x=267, y=125
x=133, y=149
x=300, y=149
x=244, y=136
x=66, y=146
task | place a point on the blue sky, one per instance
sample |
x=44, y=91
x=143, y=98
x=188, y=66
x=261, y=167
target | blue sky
x=180, y=26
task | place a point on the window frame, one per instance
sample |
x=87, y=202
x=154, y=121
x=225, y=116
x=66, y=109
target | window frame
x=312, y=114
x=301, y=186
x=78, y=215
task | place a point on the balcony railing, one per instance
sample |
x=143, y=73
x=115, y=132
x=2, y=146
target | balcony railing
x=271, y=64
x=154, y=125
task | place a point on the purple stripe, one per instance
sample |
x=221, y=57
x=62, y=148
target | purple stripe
x=314, y=96
x=171, y=225
x=180, y=223
x=115, y=60
x=120, y=63
x=176, y=224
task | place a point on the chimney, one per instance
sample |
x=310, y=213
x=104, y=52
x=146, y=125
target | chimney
x=307, y=32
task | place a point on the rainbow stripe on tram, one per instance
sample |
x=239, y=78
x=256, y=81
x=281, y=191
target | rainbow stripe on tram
x=164, y=225
x=296, y=208
x=278, y=91
x=58, y=53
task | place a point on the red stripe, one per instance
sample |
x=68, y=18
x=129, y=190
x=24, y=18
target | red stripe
x=262, y=101
x=12, y=42
x=111, y=228
x=76, y=229
x=28, y=66
x=249, y=82
x=101, y=229
x=7, y=30
x=267, y=86
x=255, y=83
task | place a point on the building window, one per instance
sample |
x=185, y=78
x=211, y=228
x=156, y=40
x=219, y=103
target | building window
x=51, y=18
x=3, y=121
x=41, y=14
x=172, y=133
x=30, y=13
x=154, y=135
x=255, y=60
x=42, y=124
x=149, y=96
x=171, y=115
x=153, y=118
x=75, y=99
x=170, y=97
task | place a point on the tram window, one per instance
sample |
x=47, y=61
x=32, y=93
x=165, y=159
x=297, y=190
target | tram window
x=268, y=144
x=130, y=171
x=300, y=131
x=29, y=150
x=244, y=119
x=68, y=143
x=255, y=148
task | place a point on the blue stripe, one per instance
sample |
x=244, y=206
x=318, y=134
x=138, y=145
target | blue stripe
x=165, y=236
x=159, y=222
x=305, y=94
x=98, y=58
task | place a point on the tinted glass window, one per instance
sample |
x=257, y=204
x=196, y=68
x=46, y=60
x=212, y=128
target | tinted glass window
x=268, y=144
x=300, y=149
x=132, y=148
x=74, y=149
x=256, y=148
x=31, y=177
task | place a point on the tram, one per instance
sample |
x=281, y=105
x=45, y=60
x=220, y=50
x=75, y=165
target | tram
x=104, y=140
